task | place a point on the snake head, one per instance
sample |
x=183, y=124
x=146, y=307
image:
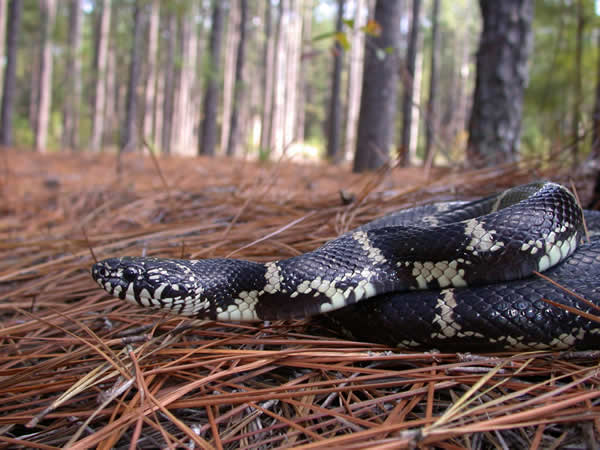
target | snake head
x=189, y=287
x=135, y=279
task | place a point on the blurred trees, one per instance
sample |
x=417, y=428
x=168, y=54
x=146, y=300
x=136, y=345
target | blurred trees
x=238, y=86
x=294, y=93
x=376, y=121
x=334, y=125
x=410, y=83
x=8, y=98
x=70, y=135
x=502, y=73
x=432, y=111
x=551, y=94
x=213, y=74
x=44, y=81
x=100, y=73
x=129, y=136
x=151, y=69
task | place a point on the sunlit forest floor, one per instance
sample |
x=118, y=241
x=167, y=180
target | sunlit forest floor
x=80, y=368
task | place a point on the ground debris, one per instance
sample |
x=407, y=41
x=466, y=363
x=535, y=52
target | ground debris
x=79, y=368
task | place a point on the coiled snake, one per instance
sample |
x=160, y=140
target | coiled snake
x=448, y=276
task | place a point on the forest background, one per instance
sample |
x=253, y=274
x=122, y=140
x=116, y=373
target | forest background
x=261, y=78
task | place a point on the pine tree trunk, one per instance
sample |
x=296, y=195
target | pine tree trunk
x=12, y=40
x=355, y=77
x=267, y=87
x=292, y=57
x=504, y=47
x=294, y=41
x=379, y=92
x=151, y=55
x=578, y=100
x=596, y=114
x=239, y=88
x=595, y=154
x=231, y=43
x=455, y=117
x=129, y=141
x=335, y=108
x=48, y=8
x=183, y=115
x=301, y=90
x=278, y=101
x=409, y=97
x=158, y=105
x=113, y=94
x=431, y=127
x=3, y=13
x=34, y=82
x=416, y=104
x=213, y=75
x=100, y=71
x=169, y=83
x=70, y=136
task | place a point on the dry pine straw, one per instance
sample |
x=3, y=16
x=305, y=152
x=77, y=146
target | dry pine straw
x=79, y=368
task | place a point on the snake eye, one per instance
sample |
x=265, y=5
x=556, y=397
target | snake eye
x=130, y=274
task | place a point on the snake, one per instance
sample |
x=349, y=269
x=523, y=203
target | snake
x=447, y=276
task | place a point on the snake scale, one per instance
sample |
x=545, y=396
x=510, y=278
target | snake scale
x=452, y=276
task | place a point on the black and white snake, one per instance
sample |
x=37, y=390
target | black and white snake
x=446, y=276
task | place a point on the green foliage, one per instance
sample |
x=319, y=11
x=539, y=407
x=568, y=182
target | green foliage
x=550, y=95
x=264, y=154
x=23, y=134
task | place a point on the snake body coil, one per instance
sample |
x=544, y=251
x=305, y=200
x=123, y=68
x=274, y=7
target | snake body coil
x=465, y=261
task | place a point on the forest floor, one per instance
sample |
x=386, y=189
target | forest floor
x=81, y=369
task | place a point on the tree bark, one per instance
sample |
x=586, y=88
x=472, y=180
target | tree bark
x=293, y=55
x=151, y=54
x=34, y=82
x=408, y=97
x=184, y=112
x=431, y=127
x=335, y=108
x=100, y=66
x=70, y=136
x=595, y=154
x=504, y=47
x=455, y=115
x=48, y=8
x=355, y=77
x=129, y=141
x=596, y=114
x=293, y=42
x=277, y=100
x=213, y=75
x=231, y=41
x=12, y=39
x=112, y=109
x=267, y=88
x=379, y=92
x=302, y=89
x=578, y=100
x=239, y=88
x=3, y=13
x=158, y=105
x=169, y=83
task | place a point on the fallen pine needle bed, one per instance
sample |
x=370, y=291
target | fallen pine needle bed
x=80, y=369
